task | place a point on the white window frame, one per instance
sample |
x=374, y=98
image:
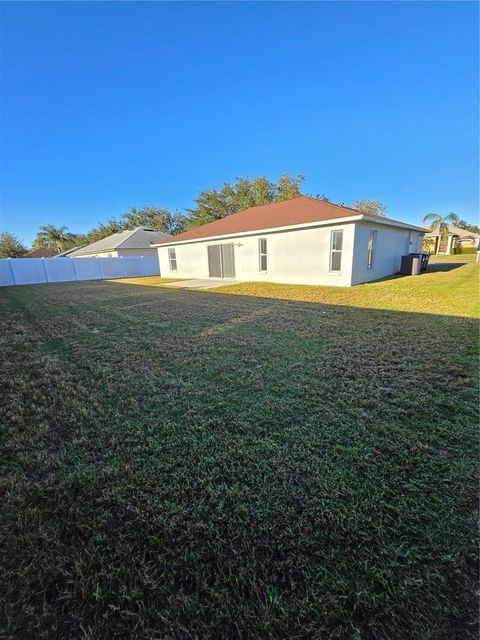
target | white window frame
x=332, y=251
x=262, y=254
x=172, y=259
x=371, y=249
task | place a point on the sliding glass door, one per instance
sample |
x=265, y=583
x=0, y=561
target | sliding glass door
x=221, y=261
x=214, y=262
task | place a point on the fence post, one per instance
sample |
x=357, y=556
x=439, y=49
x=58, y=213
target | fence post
x=124, y=268
x=11, y=270
x=100, y=267
x=74, y=269
x=45, y=270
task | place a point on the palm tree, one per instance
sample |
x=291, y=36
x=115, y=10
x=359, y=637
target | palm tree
x=54, y=237
x=442, y=222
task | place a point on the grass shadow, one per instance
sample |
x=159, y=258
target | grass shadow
x=444, y=266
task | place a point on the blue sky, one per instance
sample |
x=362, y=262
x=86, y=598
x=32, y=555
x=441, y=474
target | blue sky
x=111, y=105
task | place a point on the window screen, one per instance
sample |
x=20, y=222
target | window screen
x=372, y=239
x=262, y=253
x=336, y=242
x=172, y=257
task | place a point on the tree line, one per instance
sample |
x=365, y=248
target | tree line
x=210, y=204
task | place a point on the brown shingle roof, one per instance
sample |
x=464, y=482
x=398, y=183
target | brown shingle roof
x=301, y=210
x=43, y=252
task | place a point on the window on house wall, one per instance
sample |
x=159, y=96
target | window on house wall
x=336, y=244
x=372, y=241
x=172, y=258
x=262, y=253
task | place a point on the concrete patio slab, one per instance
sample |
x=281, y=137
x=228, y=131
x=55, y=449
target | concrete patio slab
x=198, y=283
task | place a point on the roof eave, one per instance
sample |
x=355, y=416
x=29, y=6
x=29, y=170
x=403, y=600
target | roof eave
x=289, y=227
x=393, y=223
x=294, y=227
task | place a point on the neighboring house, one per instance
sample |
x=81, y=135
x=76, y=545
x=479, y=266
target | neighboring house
x=457, y=239
x=298, y=241
x=134, y=242
x=43, y=252
x=67, y=252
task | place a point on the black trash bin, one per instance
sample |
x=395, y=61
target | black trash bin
x=423, y=260
x=411, y=265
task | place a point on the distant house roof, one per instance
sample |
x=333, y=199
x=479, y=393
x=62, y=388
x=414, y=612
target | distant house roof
x=43, y=252
x=297, y=211
x=432, y=232
x=139, y=238
x=67, y=252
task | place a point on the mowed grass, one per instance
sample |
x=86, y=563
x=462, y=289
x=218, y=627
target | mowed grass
x=185, y=464
x=459, y=257
x=147, y=281
x=449, y=288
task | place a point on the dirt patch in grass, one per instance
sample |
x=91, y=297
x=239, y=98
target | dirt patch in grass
x=182, y=464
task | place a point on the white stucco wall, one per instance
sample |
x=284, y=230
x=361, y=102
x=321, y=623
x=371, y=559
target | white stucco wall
x=302, y=256
x=116, y=253
x=137, y=252
x=299, y=256
x=391, y=244
x=104, y=254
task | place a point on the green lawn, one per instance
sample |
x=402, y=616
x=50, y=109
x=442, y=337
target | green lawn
x=448, y=289
x=459, y=257
x=147, y=281
x=187, y=464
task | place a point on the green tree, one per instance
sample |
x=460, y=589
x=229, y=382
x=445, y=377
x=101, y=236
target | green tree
x=442, y=222
x=54, y=238
x=11, y=246
x=374, y=207
x=454, y=219
x=72, y=240
x=463, y=224
x=39, y=243
x=288, y=187
x=322, y=197
x=160, y=219
x=214, y=204
x=104, y=229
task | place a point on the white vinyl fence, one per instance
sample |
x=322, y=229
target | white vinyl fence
x=43, y=270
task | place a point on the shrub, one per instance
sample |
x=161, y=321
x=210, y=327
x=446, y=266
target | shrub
x=465, y=250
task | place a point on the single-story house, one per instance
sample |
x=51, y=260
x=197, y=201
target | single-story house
x=67, y=252
x=456, y=239
x=298, y=241
x=133, y=242
x=42, y=252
